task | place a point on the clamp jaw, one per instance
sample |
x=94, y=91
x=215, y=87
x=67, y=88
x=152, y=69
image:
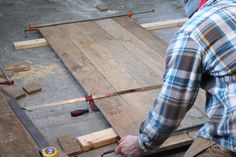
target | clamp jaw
x=93, y=108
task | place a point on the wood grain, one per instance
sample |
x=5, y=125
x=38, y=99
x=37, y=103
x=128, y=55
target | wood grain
x=14, y=139
x=164, y=24
x=98, y=139
x=13, y=92
x=21, y=45
x=69, y=145
x=32, y=88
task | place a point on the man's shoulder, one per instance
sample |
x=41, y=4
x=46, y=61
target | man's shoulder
x=204, y=18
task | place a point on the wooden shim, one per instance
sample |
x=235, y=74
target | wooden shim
x=164, y=24
x=69, y=145
x=13, y=92
x=30, y=44
x=102, y=6
x=98, y=139
x=17, y=68
x=32, y=88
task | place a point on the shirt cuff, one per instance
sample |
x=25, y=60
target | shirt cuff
x=141, y=144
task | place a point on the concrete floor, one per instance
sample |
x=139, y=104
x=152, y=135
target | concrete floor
x=47, y=69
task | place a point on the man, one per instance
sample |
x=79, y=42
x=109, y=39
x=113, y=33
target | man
x=201, y=54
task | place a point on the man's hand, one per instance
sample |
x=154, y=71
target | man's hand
x=129, y=146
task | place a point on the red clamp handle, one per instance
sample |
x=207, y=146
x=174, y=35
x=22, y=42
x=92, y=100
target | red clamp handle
x=89, y=98
x=9, y=82
x=33, y=28
x=79, y=112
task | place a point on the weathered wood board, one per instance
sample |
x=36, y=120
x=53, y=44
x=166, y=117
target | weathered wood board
x=112, y=55
x=14, y=139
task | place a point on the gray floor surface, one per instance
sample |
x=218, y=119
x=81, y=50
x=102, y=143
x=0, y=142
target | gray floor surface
x=48, y=71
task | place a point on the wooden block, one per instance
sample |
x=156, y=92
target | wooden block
x=13, y=91
x=102, y=6
x=69, y=145
x=164, y=24
x=32, y=88
x=98, y=139
x=30, y=44
x=17, y=68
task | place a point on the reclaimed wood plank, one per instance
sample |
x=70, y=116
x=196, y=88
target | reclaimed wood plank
x=150, y=39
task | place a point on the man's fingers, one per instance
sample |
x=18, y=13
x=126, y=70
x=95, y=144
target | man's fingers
x=118, y=149
x=122, y=139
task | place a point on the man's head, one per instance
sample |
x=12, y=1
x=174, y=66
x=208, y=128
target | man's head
x=191, y=6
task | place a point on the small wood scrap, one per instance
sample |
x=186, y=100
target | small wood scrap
x=12, y=69
x=30, y=44
x=17, y=68
x=13, y=92
x=164, y=24
x=69, y=145
x=98, y=139
x=32, y=88
x=102, y=6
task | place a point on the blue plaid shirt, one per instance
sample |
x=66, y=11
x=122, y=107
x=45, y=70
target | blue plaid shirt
x=201, y=54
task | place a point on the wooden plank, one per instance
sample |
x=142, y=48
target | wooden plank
x=32, y=88
x=69, y=145
x=164, y=24
x=14, y=139
x=98, y=139
x=133, y=45
x=20, y=45
x=150, y=39
x=13, y=91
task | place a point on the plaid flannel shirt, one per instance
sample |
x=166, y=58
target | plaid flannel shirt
x=201, y=54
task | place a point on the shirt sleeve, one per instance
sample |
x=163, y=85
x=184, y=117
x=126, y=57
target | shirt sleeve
x=182, y=79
